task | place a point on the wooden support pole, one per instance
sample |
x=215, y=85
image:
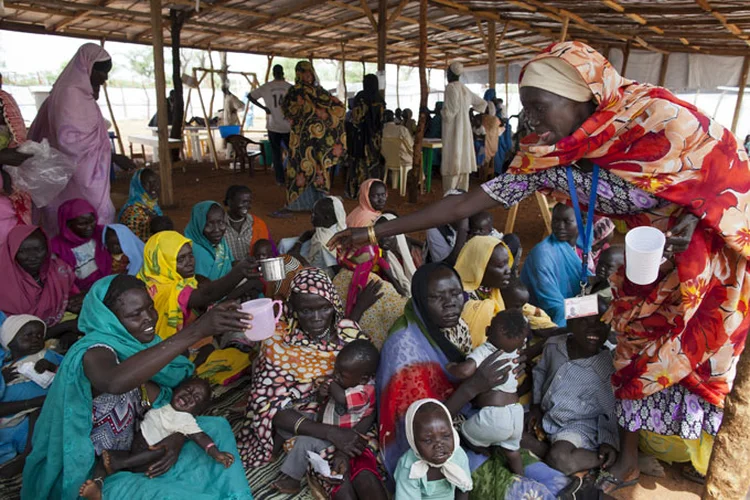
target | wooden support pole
x=268, y=69
x=382, y=32
x=492, y=54
x=343, y=72
x=625, y=57
x=728, y=474
x=663, y=69
x=211, y=144
x=114, y=121
x=398, y=77
x=165, y=163
x=564, y=32
x=507, y=81
x=741, y=93
x=415, y=175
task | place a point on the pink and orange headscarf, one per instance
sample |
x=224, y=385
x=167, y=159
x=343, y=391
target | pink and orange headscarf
x=364, y=215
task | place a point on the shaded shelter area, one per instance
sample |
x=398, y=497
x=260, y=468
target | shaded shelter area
x=427, y=33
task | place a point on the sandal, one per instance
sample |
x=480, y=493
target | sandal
x=608, y=483
x=691, y=474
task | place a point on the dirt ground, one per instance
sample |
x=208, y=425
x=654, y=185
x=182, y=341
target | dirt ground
x=200, y=183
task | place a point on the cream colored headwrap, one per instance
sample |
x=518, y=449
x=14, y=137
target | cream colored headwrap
x=556, y=76
x=452, y=472
x=456, y=68
x=13, y=325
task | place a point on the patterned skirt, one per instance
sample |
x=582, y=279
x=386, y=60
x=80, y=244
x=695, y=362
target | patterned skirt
x=675, y=411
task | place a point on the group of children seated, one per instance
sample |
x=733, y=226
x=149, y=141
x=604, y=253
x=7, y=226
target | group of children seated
x=569, y=425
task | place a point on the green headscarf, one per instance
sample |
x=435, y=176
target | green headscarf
x=213, y=262
x=62, y=453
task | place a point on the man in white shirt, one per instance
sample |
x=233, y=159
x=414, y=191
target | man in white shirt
x=459, y=160
x=278, y=127
x=394, y=131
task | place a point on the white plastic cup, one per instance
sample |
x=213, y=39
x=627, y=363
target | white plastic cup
x=644, y=248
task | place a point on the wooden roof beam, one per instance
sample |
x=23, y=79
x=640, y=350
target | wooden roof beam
x=461, y=9
x=614, y=5
x=368, y=13
x=731, y=27
x=395, y=13
x=556, y=13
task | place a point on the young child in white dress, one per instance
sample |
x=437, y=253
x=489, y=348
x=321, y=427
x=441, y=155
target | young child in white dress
x=499, y=421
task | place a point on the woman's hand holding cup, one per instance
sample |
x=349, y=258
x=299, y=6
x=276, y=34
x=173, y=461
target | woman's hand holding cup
x=225, y=317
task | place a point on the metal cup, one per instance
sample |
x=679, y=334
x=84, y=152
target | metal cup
x=272, y=269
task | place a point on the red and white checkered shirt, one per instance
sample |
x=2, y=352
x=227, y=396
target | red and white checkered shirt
x=360, y=403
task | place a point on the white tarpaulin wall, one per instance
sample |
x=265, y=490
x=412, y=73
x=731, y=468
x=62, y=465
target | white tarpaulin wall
x=686, y=72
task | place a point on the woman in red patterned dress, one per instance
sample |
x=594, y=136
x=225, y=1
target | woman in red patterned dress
x=664, y=164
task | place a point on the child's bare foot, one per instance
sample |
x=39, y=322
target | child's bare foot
x=91, y=489
x=286, y=485
x=111, y=460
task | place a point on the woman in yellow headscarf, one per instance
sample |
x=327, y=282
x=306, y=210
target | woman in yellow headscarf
x=169, y=273
x=484, y=265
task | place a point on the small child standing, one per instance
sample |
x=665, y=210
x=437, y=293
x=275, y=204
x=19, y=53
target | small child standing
x=435, y=465
x=189, y=399
x=348, y=399
x=578, y=418
x=27, y=372
x=500, y=418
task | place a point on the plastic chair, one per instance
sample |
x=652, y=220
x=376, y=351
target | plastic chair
x=392, y=152
x=241, y=154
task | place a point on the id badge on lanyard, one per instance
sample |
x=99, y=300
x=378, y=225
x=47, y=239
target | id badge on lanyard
x=588, y=229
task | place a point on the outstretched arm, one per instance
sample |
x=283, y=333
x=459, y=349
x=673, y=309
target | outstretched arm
x=204, y=441
x=445, y=211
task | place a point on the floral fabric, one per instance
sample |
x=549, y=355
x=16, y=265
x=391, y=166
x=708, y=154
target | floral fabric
x=367, y=118
x=287, y=367
x=317, y=139
x=690, y=326
x=675, y=411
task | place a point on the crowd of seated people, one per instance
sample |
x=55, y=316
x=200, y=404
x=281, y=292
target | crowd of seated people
x=449, y=369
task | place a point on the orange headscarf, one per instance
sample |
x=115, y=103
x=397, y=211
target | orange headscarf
x=690, y=326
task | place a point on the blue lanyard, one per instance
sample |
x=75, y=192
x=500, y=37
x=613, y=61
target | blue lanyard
x=588, y=229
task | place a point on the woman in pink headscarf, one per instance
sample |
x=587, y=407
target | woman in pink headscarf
x=79, y=243
x=372, y=197
x=70, y=119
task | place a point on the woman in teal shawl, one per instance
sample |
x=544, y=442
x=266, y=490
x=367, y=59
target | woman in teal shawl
x=213, y=258
x=118, y=353
x=142, y=204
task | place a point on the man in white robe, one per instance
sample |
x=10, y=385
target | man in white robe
x=459, y=160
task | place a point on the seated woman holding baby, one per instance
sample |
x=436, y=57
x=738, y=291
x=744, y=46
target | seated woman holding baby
x=291, y=367
x=413, y=366
x=103, y=376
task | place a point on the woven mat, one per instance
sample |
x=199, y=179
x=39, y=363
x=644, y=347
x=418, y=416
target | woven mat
x=228, y=403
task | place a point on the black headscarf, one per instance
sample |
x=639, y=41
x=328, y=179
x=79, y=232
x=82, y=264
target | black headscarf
x=419, y=291
x=370, y=90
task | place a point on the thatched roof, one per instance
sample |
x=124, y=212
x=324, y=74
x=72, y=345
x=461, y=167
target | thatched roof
x=457, y=29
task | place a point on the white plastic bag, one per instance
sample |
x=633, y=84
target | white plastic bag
x=43, y=175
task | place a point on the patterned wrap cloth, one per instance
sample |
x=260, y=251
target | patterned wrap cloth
x=689, y=327
x=139, y=209
x=287, y=367
x=317, y=139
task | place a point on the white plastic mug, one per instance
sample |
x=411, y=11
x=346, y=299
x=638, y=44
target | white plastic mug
x=644, y=249
x=264, y=321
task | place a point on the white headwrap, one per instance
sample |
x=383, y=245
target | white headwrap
x=322, y=235
x=13, y=325
x=556, y=76
x=456, y=68
x=452, y=472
